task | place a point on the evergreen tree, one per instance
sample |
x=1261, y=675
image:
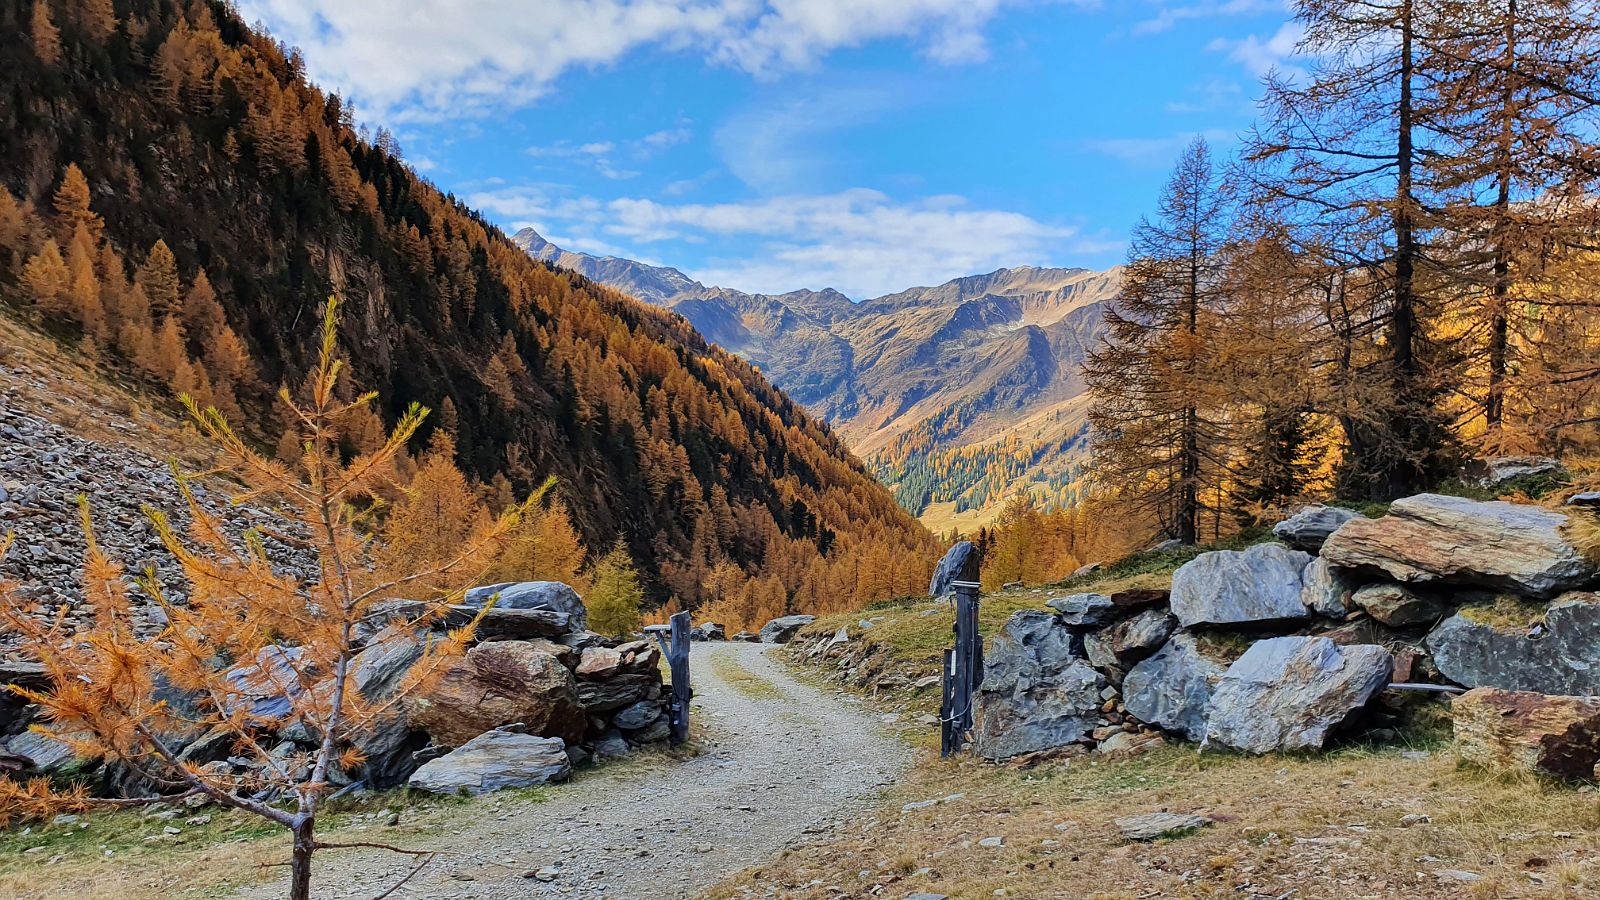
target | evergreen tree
x=615, y=599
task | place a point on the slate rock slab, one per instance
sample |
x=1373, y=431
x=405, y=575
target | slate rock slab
x=951, y=567
x=1309, y=528
x=1291, y=693
x=1130, y=640
x=1432, y=538
x=495, y=761
x=1558, y=655
x=1154, y=826
x=1528, y=732
x=1258, y=585
x=1038, y=693
x=547, y=595
x=1172, y=689
x=1084, y=609
x=1326, y=590
x=783, y=629
x=1397, y=606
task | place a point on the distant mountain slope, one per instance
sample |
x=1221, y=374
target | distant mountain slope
x=195, y=129
x=953, y=394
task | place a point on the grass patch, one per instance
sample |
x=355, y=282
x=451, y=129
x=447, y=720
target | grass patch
x=743, y=680
x=1507, y=612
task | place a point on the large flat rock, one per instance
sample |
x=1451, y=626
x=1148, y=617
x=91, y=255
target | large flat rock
x=1258, y=585
x=546, y=595
x=1291, y=693
x=1518, y=647
x=1433, y=538
x=495, y=761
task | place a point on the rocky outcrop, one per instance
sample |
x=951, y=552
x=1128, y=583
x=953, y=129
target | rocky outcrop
x=1396, y=605
x=1430, y=539
x=1172, y=689
x=1257, y=586
x=1523, y=646
x=782, y=629
x=552, y=596
x=1529, y=732
x=1309, y=528
x=1038, y=692
x=1130, y=640
x=495, y=761
x=497, y=683
x=1291, y=693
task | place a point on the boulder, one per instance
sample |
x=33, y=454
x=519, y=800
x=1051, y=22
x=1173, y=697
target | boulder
x=952, y=566
x=782, y=629
x=1326, y=590
x=640, y=658
x=1173, y=688
x=498, y=683
x=598, y=663
x=494, y=761
x=1529, y=732
x=1552, y=649
x=45, y=753
x=1084, y=610
x=746, y=637
x=380, y=666
x=1309, y=528
x=388, y=750
x=1037, y=693
x=1397, y=606
x=547, y=595
x=1290, y=693
x=498, y=624
x=1135, y=600
x=1259, y=585
x=1431, y=538
x=1502, y=469
x=708, y=631
x=264, y=687
x=1130, y=640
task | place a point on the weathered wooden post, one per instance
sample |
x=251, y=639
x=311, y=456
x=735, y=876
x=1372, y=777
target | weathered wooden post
x=674, y=640
x=957, y=574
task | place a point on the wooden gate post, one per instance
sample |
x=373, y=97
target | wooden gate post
x=957, y=574
x=674, y=640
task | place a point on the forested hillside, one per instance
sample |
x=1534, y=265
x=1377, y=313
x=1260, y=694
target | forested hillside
x=178, y=201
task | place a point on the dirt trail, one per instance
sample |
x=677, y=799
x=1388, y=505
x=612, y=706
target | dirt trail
x=782, y=759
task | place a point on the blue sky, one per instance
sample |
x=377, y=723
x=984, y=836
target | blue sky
x=770, y=145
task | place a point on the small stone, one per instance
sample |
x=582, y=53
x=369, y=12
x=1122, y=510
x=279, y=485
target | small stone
x=1153, y=826
x=992, y=842
x=1410, y=819
x=545, y=874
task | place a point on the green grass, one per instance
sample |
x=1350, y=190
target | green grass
x=1506, y=611
x=743, y=680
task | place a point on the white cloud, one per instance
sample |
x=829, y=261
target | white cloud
x=1261, y=56
x=1156, y=151
x=1170, y=15
x=859, y=241
x=411, y=60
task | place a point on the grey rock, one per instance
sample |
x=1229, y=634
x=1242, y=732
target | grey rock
x=951, y=566
x=1166, y=545
x=1084, y=609
x=1236, y=587
x=265, y=686
x=1587, y=499
x=1037, y=693
x=548, y=595
x=746, y=637
x=615, y=693
x=1556, y=652
x=494, y=761
x=708, y=631
x=1397, y=606
x=47, y=754
x=378, y=669
x=1309, y=528
x=1172, y=689
x=638, y=715
x=1326, y=589
x=1130, y=640
x=1154, y=826
x=782, y=629
x=612, y=746
x=1501, y=469
x=1291, y=693
x=1431, y=538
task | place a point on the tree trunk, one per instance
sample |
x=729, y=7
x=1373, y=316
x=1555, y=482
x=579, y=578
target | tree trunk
x=1499, y=328
x=300, y=868
x=1401, y=468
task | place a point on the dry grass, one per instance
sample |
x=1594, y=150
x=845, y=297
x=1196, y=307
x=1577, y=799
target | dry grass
x=1302, y=827
x=743, y=680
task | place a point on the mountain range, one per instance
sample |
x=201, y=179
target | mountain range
x=955, y=395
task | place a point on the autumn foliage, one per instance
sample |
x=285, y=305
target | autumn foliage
x=247, y=628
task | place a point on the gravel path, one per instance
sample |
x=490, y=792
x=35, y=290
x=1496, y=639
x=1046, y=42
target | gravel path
x=783, y=759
